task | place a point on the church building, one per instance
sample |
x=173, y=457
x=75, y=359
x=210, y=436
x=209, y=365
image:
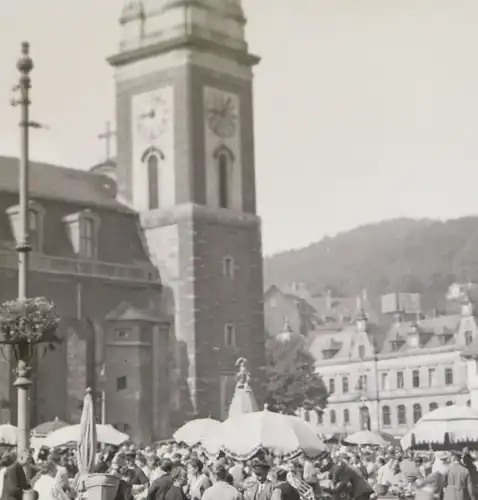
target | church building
x=154, y=260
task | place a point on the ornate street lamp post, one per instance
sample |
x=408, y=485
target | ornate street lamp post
x=23, y=382
x=25, y=322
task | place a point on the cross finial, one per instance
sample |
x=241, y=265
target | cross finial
x=107, y=136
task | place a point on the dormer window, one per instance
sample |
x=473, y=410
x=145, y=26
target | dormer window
x=36, y=216
x=83, y=232
x=361, y=351
x=468, y=337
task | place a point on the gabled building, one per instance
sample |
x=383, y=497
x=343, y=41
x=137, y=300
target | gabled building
x=389, y=378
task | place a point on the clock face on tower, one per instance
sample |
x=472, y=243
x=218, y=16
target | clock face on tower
x=152, y=117
x=222, y=115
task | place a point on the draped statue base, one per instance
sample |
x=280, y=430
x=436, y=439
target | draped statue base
x=243, y=401
x=99, y=487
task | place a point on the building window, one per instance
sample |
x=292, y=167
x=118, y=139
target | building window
x=229, y=336
x=83, y=230
x=331, y=385
x=361, y=351
x=346, y=416
x=385, y=381
x=431, y=377
x=468, y=337
x=432, y=406
x=417, y=413
x=364, y=418
x=401, y=415
x=121, y=383
x=153, y=181
x=416, y=378
x=87, y=238
x=122, y=334
x=449, y=403
x=224, y=179
x=345, y=385
x=228, y=267
x=400, y=381
x=448, y=376
x=333, y=417
x=386, y=416
x=362, y=383
x=320, y=417
x=468, y=403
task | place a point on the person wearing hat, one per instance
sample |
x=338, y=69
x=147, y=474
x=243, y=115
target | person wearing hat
x=458, y=480
x=283, y=490
x=160, y=486
x=221, y=489
x=469, y=463
x=262, y=488
x=198, y=481
x=346, y=481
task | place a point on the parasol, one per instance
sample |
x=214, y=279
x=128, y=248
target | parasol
x=366, y=438
x=194, y=431
x=448, y=425
x=241, y=437
x=48, y=427
x=86, y=447
x=8, y=435
x=106, y=434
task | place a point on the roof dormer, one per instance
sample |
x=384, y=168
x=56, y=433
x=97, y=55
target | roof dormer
x=83, y=228
x=36, y=217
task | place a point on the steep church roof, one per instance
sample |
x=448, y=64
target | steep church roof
x=60, y=183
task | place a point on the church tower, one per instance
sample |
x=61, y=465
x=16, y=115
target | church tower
x=186, y=164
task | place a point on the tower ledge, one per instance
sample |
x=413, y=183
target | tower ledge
x=182, y=42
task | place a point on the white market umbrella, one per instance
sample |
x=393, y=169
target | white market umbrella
x=106, y=434
x=194, y=431
x=242, y=436
x=447, y=425
x=366, y=438
x=46, y=428
x=8, y=435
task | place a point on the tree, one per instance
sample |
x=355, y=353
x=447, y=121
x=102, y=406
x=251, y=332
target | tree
x=291, y=379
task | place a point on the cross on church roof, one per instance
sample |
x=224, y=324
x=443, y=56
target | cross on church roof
x=107, y=135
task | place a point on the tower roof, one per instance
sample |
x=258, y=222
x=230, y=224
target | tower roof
x=148, y=23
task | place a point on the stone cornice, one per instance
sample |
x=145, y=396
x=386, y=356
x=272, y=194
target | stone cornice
x=159, y=218
x=187, y=41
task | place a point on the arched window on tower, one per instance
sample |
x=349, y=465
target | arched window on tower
x=153, y=181
x=224, y=165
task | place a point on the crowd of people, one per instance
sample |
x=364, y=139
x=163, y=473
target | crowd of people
x=175, y=472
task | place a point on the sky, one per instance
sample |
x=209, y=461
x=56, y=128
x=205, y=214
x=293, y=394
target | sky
x=365, y=110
